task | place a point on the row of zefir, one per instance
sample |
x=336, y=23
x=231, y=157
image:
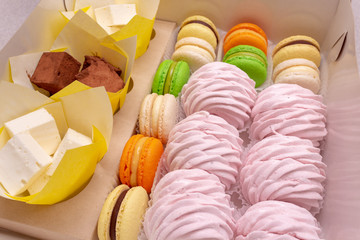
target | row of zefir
x=35, y=149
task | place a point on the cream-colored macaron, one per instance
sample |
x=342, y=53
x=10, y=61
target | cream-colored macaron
x=198, y=42
x=298, y=71
x=145, y=114
x=158, y=115
x=195, y=56
x=164, y=116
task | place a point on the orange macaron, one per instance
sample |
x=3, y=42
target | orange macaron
x=246, y=34
x=139, y=161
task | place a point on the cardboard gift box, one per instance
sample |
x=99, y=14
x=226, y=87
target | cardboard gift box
x=329, y=22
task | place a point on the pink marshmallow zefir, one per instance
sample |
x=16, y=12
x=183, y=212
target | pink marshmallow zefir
x=276, y=220
x=204, y=141
x=290, y=110
x=284, y=168
x=189, y=181
x=221, y=89
x=182, y=208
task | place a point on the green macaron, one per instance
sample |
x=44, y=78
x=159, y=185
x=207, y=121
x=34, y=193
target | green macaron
x=251, y=60
x=170, y=77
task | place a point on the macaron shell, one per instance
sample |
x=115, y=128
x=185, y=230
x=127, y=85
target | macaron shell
x=297, y=51
x=126, y=159
x=203, y=19
x=301, y=75
x=169, y=77
x=145, y=114
x=245, y=38
x=189, y=28
x=297, y=46
x=249, y=26
x=199, y=31
x=254, y=68
x=135, y=160
x=193, y=55
x=292, y=63
x=131, y=213
x=296, y=38
x=180, y=77
x=246, y=34
x=246, y=50
x=201, y=43
x=160, y=76
x=149, y=160
x=167, y=118
x=155, y=113
x=106, y=212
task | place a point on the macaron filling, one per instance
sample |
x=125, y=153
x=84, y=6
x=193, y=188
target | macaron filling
x=135, y=160
x=248, y=54
x=294, y=42
x=206, y=25
x=169, y=76
x=114, y=214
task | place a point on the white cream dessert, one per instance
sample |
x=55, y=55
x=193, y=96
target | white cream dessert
x=71, y=140
x=22, y=160
x=42, y=127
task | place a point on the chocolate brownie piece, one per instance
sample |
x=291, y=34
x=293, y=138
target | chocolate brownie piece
x=55, y=71
x=97, y=72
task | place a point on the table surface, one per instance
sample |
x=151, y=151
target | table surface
x=15, y=13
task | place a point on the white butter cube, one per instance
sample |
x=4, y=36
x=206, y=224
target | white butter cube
x=115, y=15
x=22, y=160
x=72, y=139
x=42, y=127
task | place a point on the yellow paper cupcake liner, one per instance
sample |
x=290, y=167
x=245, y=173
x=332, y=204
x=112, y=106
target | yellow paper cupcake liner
x=88, y=112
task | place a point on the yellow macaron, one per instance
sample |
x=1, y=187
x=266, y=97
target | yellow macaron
x=200, y=27
x=298, y=46
x=122, y=213
x=158, y=115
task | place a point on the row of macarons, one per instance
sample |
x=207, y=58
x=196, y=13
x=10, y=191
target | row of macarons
x=295, y=59
x=123, y=210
